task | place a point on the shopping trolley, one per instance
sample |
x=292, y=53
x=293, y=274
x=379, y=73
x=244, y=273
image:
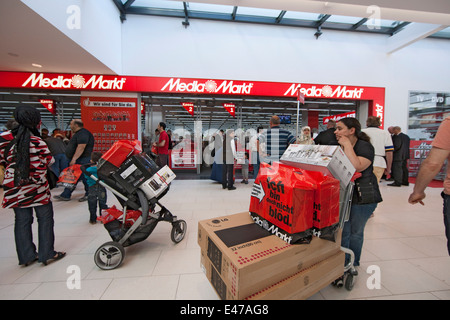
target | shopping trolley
x=138, y=185
x=345, y=203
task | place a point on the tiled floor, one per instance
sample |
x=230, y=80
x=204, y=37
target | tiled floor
x=406, y=242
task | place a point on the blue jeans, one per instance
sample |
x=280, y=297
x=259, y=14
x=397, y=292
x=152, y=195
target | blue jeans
x=255, y=165
x=446, y=198
x=61, y=162
x=353, y=233
x=26, y=249
x=67, y=193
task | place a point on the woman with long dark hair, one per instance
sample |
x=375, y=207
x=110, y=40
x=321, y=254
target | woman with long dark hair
x=26, y=158
x=366, y=194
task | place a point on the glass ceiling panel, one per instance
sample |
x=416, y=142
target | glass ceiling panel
x=216, y=8
x=384, y=23
x=258, y=12
x=301, y=16
x=343, y=19
x=160, y=4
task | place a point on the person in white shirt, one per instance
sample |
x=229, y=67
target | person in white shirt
x=382, y=143
x=254, y=154
x=229, y=154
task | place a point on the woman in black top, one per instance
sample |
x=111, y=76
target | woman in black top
x=366, y=194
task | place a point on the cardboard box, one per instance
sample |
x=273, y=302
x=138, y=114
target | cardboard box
x=240, y=258
x=159, y=182
x=306, y=282
x=326, y=159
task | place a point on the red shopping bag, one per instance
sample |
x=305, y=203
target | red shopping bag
x=70, y=175
x=326, y=206
x=113, y=213
x=282, y=201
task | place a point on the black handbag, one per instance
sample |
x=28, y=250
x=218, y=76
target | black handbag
x=366, y=192
x=52, y=179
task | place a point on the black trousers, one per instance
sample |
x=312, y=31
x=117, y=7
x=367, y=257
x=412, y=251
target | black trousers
x=447, y=218
x=400, y=172
x=227, y=175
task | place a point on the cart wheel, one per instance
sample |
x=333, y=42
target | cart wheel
x=109, y=255
x=339, y=283
x=349, y=281
x=178, y=231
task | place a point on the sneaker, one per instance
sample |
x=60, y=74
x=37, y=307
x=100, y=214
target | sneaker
x=83, y=199
x=232, y=188
x=61, y=198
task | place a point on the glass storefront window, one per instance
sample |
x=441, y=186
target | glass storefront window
x=426, y=112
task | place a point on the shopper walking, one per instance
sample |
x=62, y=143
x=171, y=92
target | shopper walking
x=382, y=143
x=78, y=151
x=26, y=158
x=430, y=167
x=400, y=172
x=276, y=141
x=162, y=145
x=327, y=137
x=366, y=195
x=97, y=193
x=229, y=154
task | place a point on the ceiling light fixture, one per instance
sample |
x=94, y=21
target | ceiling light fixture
x=36, y=65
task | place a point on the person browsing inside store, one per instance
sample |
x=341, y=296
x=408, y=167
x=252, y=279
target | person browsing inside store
x=276, y=140
x=162, y=145
x=305, y=136
x=229, y=155
x=366, y=194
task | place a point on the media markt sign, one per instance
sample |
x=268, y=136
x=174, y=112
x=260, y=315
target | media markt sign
x=211, y=86
x=76, y=81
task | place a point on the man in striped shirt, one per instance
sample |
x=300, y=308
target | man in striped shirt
x=276, y=141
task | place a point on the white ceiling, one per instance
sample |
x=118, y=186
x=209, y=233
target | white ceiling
x=27, y=38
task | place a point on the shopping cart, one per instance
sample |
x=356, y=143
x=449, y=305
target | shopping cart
x=138, y=185
x=345, y=203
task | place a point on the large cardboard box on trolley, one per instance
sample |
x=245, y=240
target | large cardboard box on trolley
x=306, y=282
x=326, y=159
x=240, y=258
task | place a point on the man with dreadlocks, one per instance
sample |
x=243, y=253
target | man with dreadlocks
x=26, y=158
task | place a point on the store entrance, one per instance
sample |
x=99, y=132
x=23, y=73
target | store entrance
x=194, y=120
x=206, y=116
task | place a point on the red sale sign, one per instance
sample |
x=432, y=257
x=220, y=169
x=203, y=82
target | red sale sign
x=110, y=119
x=189, y=106
x=230, y=108
x=340, y=116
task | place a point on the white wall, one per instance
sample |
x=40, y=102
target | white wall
x=157, y=46
x=422, y=66
x=163, y=47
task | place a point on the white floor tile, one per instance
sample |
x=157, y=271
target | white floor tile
x=407, y=243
